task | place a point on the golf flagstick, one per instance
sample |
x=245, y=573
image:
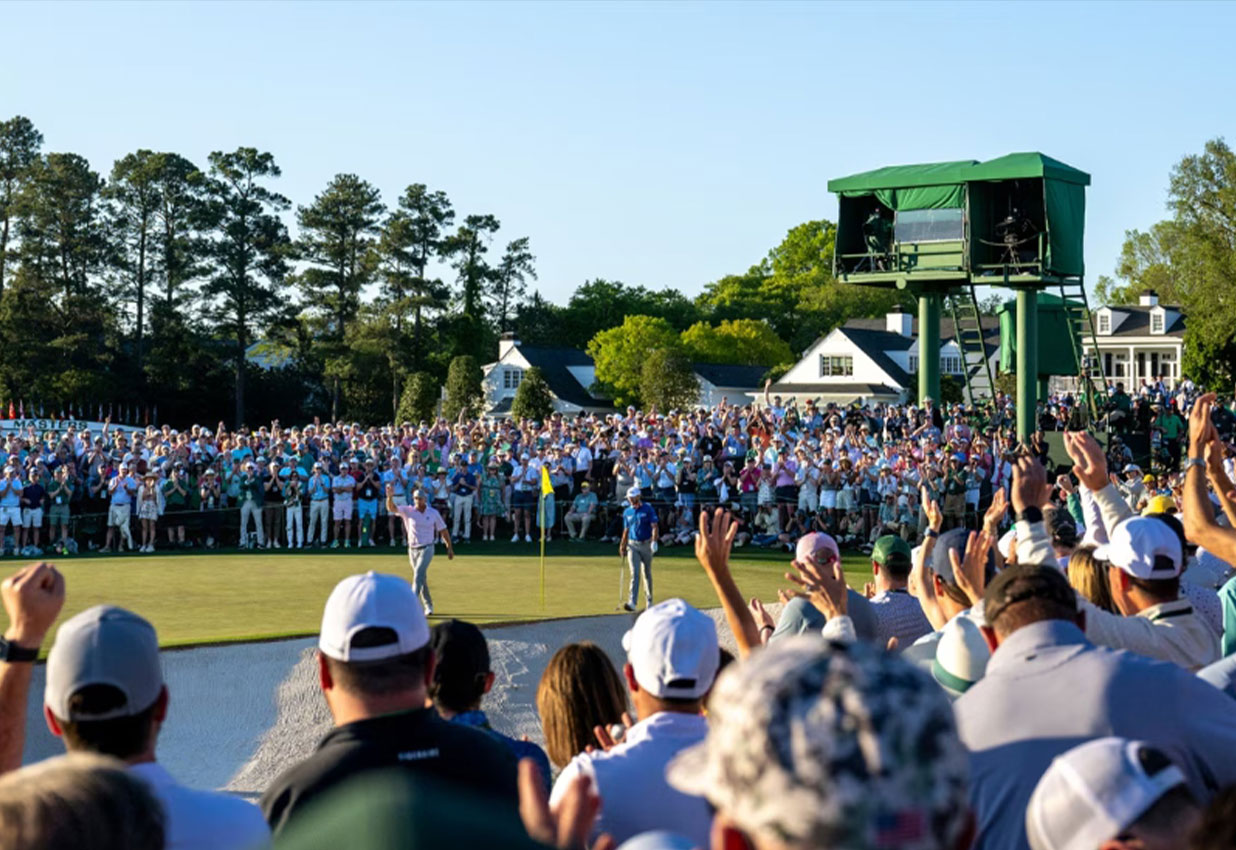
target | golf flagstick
x=547, y=490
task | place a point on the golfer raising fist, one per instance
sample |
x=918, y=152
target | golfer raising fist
x=423, y=525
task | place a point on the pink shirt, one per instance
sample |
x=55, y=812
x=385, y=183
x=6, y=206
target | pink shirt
x=422, y=526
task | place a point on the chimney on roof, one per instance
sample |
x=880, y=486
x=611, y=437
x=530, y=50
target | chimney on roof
x=1148, y=298
x=506, y=342
x=899, y=323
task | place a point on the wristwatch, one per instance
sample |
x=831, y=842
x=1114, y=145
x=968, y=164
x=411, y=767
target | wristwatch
x=11, y=653
x=1192, y=462
x=1031, y=515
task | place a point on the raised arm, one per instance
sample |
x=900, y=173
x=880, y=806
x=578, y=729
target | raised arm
x=1197, y=511
x=33, y=598
x=712, y=550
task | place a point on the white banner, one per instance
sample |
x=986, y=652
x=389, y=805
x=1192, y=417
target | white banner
x=42, y=426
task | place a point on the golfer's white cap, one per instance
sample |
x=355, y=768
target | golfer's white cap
x=673, y=650
x=372, y=601
x=1095, y=791
x=633, y=493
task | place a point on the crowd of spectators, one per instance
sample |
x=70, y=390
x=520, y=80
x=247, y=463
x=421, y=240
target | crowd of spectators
x=1013, y=686
x=855, y=472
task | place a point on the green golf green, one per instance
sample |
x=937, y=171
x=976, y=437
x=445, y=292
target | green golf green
x=219, y=597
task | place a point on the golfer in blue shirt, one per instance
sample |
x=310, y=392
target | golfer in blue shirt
x=638, y=543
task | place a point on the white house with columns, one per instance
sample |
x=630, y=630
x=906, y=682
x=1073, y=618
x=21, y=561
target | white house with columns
x=1138, y=344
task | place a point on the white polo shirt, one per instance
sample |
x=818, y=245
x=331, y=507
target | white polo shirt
x=630, y=780
x=204, y=820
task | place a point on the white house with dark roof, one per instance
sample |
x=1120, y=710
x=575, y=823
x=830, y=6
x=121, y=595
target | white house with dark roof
x=876, y=360
x=570, y=374
x=1139, y=344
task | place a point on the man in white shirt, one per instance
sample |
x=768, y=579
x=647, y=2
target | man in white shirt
x=341, y=486
x=10, y=505
x=105, y=694
x=121, y=490
x=423, y=525
x=672, y=659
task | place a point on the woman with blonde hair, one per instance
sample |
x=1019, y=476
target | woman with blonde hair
x=1088, y=576
x=579, y=693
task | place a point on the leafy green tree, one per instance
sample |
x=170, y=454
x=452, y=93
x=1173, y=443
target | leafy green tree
x=952, y=391
x=134, y=193
x=412, y=237
x=419, y=401
x=619, y=354
x=180, y=217
x=467, y=247
x=339, y=241
x=594, y=306
x=62, y=234
x=533, y=399
x=1190, y=260
x=793, y=289
x=19, y=151
x=463, y=387
x=747, y=341
x=249, y=251
x=668, y=381
x=510, y=281
x=539, y=322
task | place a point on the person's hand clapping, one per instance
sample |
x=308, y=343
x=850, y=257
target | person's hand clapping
x=1030, y=488
x=1089, y=462
x=970, y=569
x=995, y=511
x=566, y=826
x=1201, y=429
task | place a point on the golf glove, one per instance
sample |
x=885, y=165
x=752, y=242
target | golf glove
x=654, y=547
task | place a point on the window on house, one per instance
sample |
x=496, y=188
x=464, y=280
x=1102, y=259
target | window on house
x=950, y=365
x=511, y=378
x=913, y=364
x=1105, y=323
x=835, y=367
x=1156, y=323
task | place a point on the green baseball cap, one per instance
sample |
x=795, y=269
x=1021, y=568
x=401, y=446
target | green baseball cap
x=891, y=547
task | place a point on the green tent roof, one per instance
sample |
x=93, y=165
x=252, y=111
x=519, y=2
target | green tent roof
x=1010, y=167
x=1018, y=165
x=903, y=177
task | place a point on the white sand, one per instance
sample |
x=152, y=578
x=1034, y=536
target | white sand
x=240, y=714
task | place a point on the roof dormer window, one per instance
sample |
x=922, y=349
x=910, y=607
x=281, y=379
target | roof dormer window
x=1157, y=321
x=1104, y=322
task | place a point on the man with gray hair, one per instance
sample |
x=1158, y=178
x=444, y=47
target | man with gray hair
x=816, y=744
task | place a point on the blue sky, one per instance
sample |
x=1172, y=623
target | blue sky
x=663, y=144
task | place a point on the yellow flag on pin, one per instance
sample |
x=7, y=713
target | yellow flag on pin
x=547, y=486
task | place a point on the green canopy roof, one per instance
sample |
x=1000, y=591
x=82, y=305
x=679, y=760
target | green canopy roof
x=1018, y=165
x=1010, y=167
x=903, y=177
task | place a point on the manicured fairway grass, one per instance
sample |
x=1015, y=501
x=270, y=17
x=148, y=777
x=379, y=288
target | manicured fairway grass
x=198, y=598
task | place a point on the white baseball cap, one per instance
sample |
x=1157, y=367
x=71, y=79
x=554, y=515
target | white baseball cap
x=104, y=645
x=633, y=492
x=1094, y=792
x=369, y=601
x=673, y=650
x=1145, y=548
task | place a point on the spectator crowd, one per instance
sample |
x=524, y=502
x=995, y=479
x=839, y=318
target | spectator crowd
x=1060, y=676
x=855, y=472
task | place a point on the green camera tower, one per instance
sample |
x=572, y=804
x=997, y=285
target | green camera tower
x=942, y=229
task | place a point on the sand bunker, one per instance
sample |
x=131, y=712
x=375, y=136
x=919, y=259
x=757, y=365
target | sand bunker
x=241, y=713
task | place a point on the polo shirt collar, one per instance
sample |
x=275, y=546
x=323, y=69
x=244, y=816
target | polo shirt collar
x=1166, y=610
x=1028, y=641
x=378, y=729
x=667, y=724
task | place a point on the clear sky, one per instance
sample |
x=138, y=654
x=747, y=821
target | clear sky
x=663, y=144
